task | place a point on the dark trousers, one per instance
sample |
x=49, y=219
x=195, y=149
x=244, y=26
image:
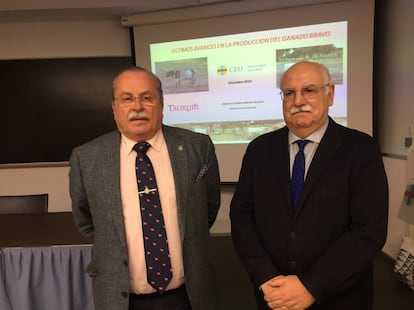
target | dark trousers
x=176, y=299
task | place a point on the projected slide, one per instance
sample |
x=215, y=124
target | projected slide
x=228, y=86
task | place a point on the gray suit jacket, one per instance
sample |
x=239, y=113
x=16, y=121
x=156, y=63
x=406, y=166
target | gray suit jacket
x=96, y=203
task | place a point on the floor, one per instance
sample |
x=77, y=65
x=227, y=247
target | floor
x=236, y=291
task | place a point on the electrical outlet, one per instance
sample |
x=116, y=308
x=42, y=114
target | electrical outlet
x=408, y=141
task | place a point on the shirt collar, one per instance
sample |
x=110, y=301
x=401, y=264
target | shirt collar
x=155, y=142
x=315, y=137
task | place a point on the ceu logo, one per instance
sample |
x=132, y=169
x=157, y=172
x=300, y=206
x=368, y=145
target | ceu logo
x=222, y=70
x=236, y=69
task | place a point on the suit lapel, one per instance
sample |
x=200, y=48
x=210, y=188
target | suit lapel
x=179, y=164
x=327, y=148
x=280, y=157
x=112, y=177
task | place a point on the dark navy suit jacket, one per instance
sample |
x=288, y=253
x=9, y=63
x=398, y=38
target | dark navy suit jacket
x=341, y=225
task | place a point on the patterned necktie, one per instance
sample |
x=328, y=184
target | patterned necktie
x=157, y=255
x=298, y=173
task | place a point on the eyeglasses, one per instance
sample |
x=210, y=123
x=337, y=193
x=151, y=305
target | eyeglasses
x=307, y=92
x=145, y=99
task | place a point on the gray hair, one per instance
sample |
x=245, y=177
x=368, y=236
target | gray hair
x=323, y=68
x=140, y=69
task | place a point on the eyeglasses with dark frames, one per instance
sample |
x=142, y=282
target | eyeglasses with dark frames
x=307, y=92
x=145, y=99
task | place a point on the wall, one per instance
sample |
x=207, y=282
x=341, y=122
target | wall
x=397, y=228
x=64, y=39
x=55, y=181
x=394, y=101
x=39, y=40
x=108, y=38
x=394, y=74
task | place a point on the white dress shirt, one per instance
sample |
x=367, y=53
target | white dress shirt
x=158, y=154
x=310, y=148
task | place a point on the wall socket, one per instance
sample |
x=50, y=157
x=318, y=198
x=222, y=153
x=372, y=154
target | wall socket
x=408, y=141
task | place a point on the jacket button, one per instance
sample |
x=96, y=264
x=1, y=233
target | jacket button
x=293, y=264
x=292, y=235
x=124, y=294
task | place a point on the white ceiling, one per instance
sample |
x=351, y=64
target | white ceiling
x=39, y=10
x=51, y=10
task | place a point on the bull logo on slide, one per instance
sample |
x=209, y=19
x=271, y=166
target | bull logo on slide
x=189, y=75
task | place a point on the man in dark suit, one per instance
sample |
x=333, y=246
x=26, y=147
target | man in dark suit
x=106, y=208
x=320, y=254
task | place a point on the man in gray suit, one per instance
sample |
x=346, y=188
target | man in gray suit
x=106, y=208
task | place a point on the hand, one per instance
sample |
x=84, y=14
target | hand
x=287, y=293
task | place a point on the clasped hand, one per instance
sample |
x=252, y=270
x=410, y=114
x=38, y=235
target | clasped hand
x=287, y=293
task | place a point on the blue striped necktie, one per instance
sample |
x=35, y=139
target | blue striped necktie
x=298, y=173
x=157, y=257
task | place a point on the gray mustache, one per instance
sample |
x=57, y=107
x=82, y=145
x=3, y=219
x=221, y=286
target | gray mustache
x=133, y=115
x=302, y=108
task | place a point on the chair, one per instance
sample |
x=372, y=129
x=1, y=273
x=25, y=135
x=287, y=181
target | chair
x=24, y=204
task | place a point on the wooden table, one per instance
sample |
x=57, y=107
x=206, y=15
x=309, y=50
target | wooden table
x=38, y=229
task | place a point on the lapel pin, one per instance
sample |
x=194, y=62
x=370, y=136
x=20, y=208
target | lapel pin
x=181, y=148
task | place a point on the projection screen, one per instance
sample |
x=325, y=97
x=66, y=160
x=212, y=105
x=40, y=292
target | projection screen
x=221, y=74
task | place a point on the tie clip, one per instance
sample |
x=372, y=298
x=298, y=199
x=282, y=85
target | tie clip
x=147, y=190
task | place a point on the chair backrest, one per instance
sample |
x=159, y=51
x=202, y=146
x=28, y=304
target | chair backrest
x=24, y=204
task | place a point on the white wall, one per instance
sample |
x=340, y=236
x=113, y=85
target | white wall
x=25, y=181
x=64, y=39
x=395, y=74
x=396, y=171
